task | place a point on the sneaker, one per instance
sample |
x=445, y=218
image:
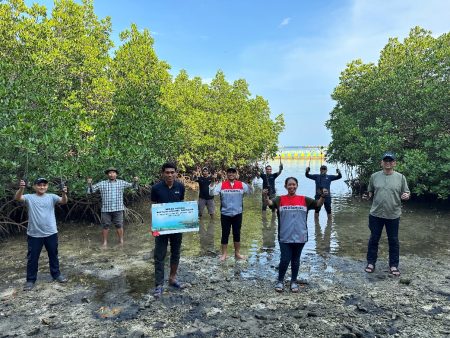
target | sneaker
x=279, y=287
x=157, y=293
x=60, y=279
x=28, y=286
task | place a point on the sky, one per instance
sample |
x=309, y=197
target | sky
x=289, y=52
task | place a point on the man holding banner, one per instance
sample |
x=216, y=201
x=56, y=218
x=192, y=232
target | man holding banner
x=167, y=191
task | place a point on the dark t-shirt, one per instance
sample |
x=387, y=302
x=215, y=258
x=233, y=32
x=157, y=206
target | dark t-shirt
x=269, y=182
x=161, y=193
x=203, y=184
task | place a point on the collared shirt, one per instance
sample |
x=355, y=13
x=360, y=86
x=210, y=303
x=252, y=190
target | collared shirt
x=161, y=193
x=292, y=217
x=387, y=190
x=112, y=194
x=231, y=196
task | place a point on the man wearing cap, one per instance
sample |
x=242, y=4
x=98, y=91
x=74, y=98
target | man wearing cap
x=111, y=191
x=388, y=188
x=323, y=181
x=204, y=198
x=268, y=179
x=231, y=193
x=41, y=230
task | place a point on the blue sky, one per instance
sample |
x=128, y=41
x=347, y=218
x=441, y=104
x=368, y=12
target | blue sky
x=290, y=52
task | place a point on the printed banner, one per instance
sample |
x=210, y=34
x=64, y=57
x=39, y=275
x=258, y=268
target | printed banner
x=170, y=218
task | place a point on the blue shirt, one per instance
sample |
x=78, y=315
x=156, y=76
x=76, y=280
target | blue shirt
x=161, y=193
x=323, y=181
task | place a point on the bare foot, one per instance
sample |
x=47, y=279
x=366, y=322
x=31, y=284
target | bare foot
x=104, y=245
x=238, y=256
x=223, y=257
x=121, y=242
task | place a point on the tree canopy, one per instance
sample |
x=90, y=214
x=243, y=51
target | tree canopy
x=71, y=104
x=401, y=104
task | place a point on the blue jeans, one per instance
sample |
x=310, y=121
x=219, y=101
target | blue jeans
x=290, y=253
x=376, y=228
x=160, y=252
x=35, y=245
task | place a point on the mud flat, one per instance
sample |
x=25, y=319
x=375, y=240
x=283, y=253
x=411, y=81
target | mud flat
x=110, y=295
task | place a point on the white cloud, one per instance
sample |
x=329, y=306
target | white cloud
x=307, y=68
x=285, y=22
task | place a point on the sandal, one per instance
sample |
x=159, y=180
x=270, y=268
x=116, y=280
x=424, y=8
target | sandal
x=394, y=271
x=279, y=287
x=369, y=268
x=294, y=287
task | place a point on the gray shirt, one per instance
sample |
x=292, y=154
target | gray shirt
x=387, y=190
x=41, y=214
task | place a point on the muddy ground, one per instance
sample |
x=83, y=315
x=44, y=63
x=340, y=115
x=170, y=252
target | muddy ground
x=110, y=295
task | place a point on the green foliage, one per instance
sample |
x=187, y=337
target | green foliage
x=220, y=123
x=70, y=107
x=400, y=104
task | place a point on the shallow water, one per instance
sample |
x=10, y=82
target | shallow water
x=423, y=232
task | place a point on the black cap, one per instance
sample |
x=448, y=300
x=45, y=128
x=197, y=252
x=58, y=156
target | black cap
x=324, y=167
x=389, y=155
x=111, y=169
x=40, y=180
x=205, y=168
x=231, y=170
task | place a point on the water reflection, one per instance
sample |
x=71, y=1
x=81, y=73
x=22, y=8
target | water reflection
x=423, y=232
x=268, y=231
x=323, y=241
x=206, y=236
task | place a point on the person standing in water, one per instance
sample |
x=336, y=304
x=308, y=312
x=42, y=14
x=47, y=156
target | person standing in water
x=292, y=210
x=231, y=194
x=268, y=179
x=323, y=181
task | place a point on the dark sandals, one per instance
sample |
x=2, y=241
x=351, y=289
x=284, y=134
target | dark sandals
x=370, y=269
x=394, y=271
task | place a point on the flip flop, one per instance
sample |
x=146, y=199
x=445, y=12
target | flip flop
x=294, y=287
x=369, y=269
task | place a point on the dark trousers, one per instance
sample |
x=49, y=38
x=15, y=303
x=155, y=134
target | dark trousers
x=376, y=228
x=326, y=204
x=290, y=253
x=35, y=245
x=228, y=223
x=160, y=252
x=263, y=199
